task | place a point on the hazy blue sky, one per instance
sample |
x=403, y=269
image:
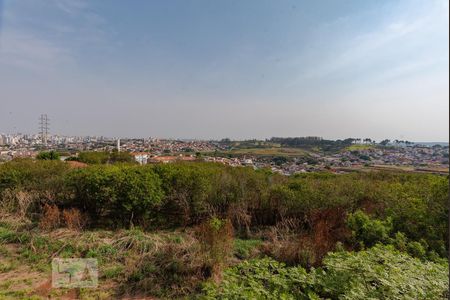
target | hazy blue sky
x=238, y=69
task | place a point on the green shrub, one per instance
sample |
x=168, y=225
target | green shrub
x=377, y=273
x=112, y=272
x=400, y=241
x=91, y=157
x=121, y=194
x=243, y=248
x=380, y=273
x=10, y=236
x=28, y=175
x=416, y=249
x=262, y=279
x=50, y=155
x=103, y=157
x=368, y=231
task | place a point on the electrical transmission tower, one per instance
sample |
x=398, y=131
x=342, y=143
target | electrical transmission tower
x=44, y=128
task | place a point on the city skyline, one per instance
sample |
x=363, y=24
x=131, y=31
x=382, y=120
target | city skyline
x=358, y=140
x=239, y=70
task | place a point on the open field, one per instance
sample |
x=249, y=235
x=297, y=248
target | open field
x=271, y=151
x=357, y=147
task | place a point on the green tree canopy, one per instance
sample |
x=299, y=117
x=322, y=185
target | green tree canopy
x=48, y=155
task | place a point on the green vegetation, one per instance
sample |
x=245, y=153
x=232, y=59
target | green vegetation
x=102, y=157
x=116, y=194
x=166, y=230
x=244, y=248
x=378, y=273
x=248, y=144
x=51, y=155
x=369, y=231
x=358, y=147
x=313, y=143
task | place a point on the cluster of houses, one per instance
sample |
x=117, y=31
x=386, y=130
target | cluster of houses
x=153, y=150
x=417, y=156
x=144, y=158
x=166, y=146
x=399, y=156
x=24, y=145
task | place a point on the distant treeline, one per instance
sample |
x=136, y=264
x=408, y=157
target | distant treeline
x=311, y=142
x=90, y=157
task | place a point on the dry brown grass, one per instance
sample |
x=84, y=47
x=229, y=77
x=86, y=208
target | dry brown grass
x=240, y=217
x=284, y=241
x=51, y=217
x=216, y=239
x=169, y=265
x=328, y=227
x=73, y=219
x=296, y=242
x=17, y=202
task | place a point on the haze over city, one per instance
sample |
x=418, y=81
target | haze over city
x=237, y=69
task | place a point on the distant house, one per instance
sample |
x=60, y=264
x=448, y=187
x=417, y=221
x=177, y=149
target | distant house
x=141, y=157
x=247, y=162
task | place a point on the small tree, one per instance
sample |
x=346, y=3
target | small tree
x=48, y=155
x=367, y=230
x=384, y=142
x=121, y=157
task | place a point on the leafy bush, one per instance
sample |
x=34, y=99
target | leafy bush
x=416, y=249
x=262, y=279
x=45, y=177
x=377, y=273
x=400, y=242
x=381, y=273
x=103, y=157
x=91, y=157
x=187, y=189
x=124, y=194
x=368, y=231
x=50, y=155
x=10, y=236
x=244, y=249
